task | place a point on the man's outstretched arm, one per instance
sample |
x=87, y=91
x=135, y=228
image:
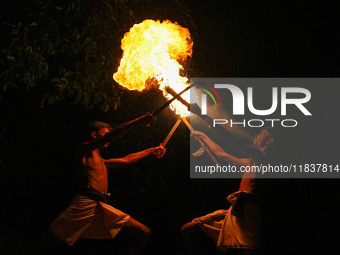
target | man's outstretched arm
x=218, y=151
x=115, y=133
x=135, y=157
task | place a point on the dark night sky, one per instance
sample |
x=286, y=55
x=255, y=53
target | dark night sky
x=238, y=39
x=276, y=39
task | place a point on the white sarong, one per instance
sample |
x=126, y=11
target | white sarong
x=231, y=231
x=86, y=218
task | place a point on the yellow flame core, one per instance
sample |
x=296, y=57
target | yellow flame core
x=155, y=50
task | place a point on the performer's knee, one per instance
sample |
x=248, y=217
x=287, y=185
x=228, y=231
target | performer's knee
x=144, y=234
x=136, y=231
x=188, y=230
x=147, y=233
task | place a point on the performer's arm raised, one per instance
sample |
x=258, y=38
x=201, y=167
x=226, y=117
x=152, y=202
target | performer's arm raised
x=100, y=141
x=134, y=157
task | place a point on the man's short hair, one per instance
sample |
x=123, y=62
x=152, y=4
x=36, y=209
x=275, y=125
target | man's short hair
x=274, y=150
x=97, y=125
x=272, y=131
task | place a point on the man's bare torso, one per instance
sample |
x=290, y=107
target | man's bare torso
x=94, y=171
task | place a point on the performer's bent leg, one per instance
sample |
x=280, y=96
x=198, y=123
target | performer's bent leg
x=196, y=241
x=135, y=236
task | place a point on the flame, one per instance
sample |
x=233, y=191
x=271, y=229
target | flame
x=156, y=50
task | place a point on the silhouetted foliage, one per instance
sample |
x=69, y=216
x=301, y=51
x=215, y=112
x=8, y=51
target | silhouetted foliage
x=68, y=50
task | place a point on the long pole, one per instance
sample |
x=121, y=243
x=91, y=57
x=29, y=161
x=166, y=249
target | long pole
x=172, y=131
x=167, y=103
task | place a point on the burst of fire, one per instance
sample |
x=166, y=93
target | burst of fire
x=156, y=50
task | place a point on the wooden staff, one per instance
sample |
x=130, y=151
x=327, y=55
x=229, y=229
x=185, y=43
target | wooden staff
x=172, y=131
x=167, y=103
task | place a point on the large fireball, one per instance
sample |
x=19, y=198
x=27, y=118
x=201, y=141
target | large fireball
x=156, y=50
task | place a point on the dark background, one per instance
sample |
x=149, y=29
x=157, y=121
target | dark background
x=231, y=39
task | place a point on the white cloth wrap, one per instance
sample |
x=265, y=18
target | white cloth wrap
x=230, y=231
x=86, y=218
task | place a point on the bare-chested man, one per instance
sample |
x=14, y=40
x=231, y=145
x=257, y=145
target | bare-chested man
x=237, y=227
x=90, y=215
